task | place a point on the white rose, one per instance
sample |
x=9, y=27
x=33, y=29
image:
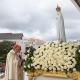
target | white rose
x=45, y=68
x=79, y=51
x=28, y=51
x=54, y=68
x=25, y=57
x=58, y=69
x=28, y=66
x=38, y=66
x=70, y=66
x=35, y=67
x=24, y=66
x=65, y=67
x=33, y=64
x=26, y=73
x=50, y=68
x=74, y=69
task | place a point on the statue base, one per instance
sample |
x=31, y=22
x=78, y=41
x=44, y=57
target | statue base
x=58, y=74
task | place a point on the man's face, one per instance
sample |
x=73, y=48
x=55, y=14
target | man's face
x=17, y=50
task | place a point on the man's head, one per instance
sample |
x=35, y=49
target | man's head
x=17, y=48
x=12, y=44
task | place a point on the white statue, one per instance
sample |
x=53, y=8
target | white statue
x=60, y=26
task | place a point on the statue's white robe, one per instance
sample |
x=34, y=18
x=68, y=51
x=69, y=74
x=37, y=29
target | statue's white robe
x=13, y=71
x=60, y=27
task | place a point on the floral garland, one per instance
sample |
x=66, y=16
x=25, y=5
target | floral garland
x=28, y=61
x=77, y=57
x=54, y=56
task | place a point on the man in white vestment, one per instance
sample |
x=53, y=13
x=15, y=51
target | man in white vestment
x=14, y=68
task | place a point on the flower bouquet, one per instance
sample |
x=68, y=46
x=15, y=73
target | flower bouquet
x=54, y=57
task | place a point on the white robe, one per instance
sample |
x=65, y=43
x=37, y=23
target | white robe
x=13, y=71
x=60, y=28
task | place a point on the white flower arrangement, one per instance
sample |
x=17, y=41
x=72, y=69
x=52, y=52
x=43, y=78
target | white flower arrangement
x=55, y=56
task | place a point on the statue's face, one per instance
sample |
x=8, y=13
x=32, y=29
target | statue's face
x=58, y=13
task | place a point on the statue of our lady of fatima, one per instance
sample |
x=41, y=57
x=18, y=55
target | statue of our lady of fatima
x=60, y=25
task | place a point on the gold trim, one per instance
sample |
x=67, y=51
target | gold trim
x=59, y=74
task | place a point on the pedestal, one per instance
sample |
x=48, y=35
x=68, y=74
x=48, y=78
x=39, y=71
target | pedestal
x=59, y=74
